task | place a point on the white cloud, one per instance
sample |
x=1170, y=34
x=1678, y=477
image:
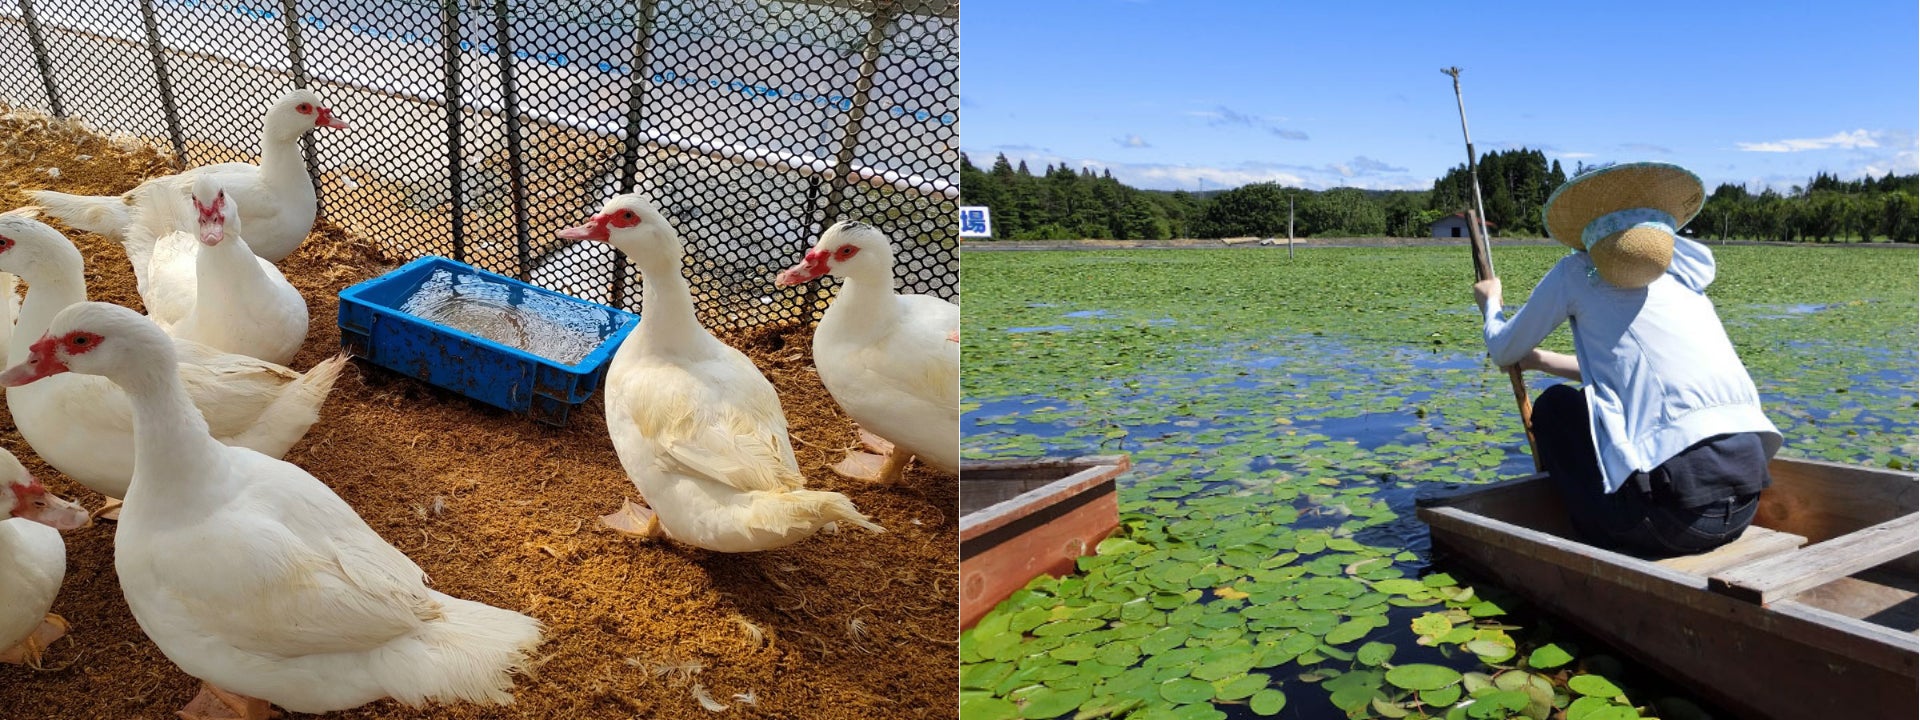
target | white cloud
x=1132, y=141
x=1221, y=116
x=1576, y=155
x=1839, y=140
x=1167, y=176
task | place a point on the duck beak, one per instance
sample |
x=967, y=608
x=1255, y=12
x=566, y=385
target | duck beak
x=594, y=229
x=323, y=117
x=58, y=513
x=812, y=266
x=41, y=362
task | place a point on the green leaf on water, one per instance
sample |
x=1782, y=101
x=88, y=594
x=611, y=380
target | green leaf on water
x=1348, y=631
x=1186, y=690
x=1490, y=651
x=1073, y=652
x=1442, y=697
x=1432, y=624
x=1268, y=702
x=1421, y=676
x=1593, y=685
x=1067, y=627
x=1374, y=653
x=1548, y=657
x=1164, y=639
x=1122, y=654
x=1045, y=702
x=986, y=707
x=1240, y=687
x=983, y=676
x=1353, y=698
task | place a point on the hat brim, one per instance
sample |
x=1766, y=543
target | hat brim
x=1669, y=188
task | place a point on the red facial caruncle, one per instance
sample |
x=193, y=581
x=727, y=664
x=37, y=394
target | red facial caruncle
x=596, y=227
x=212, y=219
x=24, y=495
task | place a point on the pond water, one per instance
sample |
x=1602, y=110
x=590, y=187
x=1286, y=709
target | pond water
x=1269, y=561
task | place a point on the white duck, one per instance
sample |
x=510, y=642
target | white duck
x=33, y=561
x=278, y=194
x=208, y=287
x=252, y=575
x=892, y=361
x=83, y=425
x=697, y=427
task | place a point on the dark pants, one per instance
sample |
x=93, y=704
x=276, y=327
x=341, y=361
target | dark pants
x=1699, y=500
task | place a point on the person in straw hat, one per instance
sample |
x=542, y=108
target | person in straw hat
x=1664, y=450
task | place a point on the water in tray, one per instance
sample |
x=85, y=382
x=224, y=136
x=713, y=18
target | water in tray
x=510, y=315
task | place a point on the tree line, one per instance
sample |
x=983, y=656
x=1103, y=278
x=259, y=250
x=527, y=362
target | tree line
x=1061, y=203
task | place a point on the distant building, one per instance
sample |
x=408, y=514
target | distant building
x=1455, y=225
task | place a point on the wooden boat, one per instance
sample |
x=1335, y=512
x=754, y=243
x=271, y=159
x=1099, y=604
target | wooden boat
x=1019, y=519
x=1810, y=614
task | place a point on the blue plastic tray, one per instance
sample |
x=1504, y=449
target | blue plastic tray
x=373, y=326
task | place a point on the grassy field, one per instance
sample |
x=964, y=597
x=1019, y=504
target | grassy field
x=1284, y=413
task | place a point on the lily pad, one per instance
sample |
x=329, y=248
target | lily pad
x=1374, y=653
x=1241, y=687
x=987, y=707
x=1593, y=685
x=1045, y=702
x=1548, y=657
x=1441, y=698
x=1421, y=676
x=1268, y=702
x=1186, y=690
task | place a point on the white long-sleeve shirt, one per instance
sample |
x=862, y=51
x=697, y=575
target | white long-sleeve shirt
x=1660, y=372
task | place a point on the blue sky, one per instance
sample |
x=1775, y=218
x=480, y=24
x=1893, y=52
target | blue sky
x=1203, y=94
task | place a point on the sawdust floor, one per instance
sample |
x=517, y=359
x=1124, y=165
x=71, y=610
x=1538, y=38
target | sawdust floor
x=845, y=626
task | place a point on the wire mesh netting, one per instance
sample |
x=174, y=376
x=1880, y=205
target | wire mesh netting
x=480, y=128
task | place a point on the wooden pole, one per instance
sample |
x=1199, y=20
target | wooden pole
x=1483, y=266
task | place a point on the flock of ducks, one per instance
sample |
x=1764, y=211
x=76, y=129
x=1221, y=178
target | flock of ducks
x=255, y=577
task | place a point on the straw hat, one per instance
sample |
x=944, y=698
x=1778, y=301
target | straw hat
x=1625, y=217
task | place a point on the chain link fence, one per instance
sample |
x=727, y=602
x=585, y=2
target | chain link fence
x=480, y=128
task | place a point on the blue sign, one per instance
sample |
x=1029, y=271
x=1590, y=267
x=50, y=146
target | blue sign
x=976, y=222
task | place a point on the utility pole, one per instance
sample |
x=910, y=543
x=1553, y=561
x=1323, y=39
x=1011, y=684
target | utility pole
x=1289, y=226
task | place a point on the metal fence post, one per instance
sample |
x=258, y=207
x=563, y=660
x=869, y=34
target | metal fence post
x=850, y=132
x=883, y=14
x=456, y=163
x=165, y=81
x=297, y=59
x=40, y=59
x=516, y=164
x=630, y=155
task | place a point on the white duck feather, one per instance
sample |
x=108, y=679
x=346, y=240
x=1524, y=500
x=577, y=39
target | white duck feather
x=698, y=429
x=251, y=574
x=278, y=194
x=83, y=425
x=891, y=361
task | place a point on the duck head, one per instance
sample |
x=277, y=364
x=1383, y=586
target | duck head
x=633, y=224
x=297, y=112
x=95, y=338
x=33, y=250
x=22, y=496
x=218, y=213
x=845, y=250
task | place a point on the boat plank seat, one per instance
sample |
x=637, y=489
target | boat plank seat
x=1753, y=544
x=1782, y=576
